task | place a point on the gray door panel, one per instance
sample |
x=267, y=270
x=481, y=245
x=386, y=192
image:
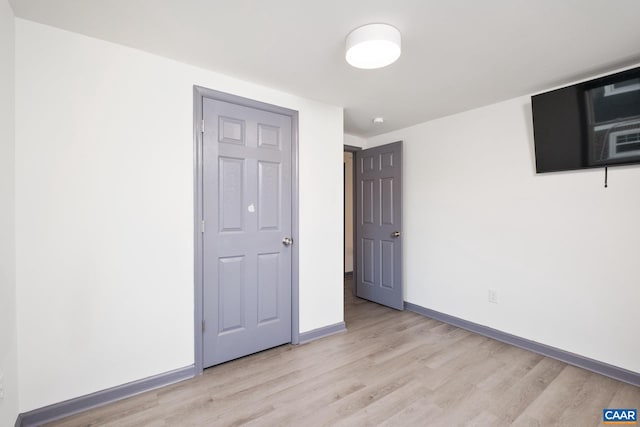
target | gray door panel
x=247, y=212
x=379, y=224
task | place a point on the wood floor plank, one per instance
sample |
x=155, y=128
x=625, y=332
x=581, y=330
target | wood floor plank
x=420, y=412
x=586, y=407
x=553, y=400
x=626, y=396
x=390, y=368
x=507, y=406
x=387, y=406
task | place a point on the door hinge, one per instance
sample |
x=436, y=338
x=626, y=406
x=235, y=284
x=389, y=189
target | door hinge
x=203, y=326
x=202, y=226
x=202, y=127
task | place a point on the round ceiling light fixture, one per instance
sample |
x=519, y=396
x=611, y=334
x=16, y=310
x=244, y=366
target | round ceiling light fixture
x=373, y=46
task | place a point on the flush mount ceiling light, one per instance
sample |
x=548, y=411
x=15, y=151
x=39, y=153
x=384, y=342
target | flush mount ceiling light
x=378, y=120
x=373, y=46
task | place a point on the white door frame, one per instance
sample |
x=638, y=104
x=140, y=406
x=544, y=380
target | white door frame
x=199, y=93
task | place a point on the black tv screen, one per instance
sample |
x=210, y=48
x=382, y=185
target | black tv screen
x=591, y=124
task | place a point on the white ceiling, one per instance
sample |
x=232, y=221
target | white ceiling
x=457, y=54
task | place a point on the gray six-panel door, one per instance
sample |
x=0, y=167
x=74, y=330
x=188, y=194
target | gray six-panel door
x=379, y=225
x=246, y=192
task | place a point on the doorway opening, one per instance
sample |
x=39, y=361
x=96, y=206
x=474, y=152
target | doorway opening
x=350, y=257
x=349, y=202
x=373, y=225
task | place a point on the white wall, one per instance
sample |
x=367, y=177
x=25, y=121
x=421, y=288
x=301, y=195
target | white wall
x=348, y=212
x=561, y=250
x=354, y=141
x=8, y=341
x=104, y=176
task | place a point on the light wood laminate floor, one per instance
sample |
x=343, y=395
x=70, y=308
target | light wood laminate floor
x=391, y=368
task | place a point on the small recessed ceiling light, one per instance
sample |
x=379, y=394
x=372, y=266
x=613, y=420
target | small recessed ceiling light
x=373, y=46
x=378, y=120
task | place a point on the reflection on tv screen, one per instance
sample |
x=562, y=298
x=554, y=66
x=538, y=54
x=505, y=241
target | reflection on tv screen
x=614, y=122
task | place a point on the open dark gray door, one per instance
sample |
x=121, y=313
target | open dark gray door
x=247, y=254
x=379, y=225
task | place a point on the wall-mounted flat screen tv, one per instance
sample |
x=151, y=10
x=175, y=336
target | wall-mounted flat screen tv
x=591, y=124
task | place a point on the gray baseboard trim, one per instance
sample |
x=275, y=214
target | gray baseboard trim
x=325, y=331
x=592, y=365
x=79, y=404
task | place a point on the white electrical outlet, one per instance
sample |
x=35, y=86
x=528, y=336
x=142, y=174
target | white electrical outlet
x=492, y=296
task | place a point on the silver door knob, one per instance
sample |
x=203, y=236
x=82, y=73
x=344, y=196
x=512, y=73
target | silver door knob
x=287, y=241
x=395, y=234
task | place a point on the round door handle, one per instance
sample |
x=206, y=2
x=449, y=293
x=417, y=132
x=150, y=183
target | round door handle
x=287, y=241
x=395, y=234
